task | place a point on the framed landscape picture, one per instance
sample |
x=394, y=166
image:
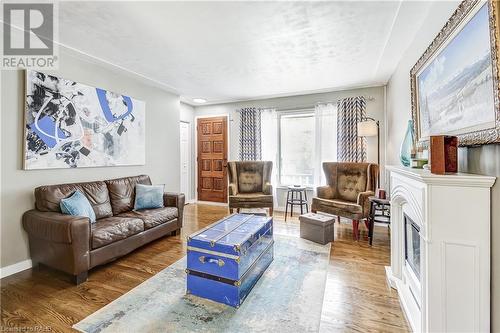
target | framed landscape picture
x=73, y=125
x=454, y=84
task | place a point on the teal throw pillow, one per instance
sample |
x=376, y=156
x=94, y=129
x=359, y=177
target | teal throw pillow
x=148, y=196
x=77, y=205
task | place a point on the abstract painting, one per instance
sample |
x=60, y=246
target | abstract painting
x=454, y=83
x=72, y=125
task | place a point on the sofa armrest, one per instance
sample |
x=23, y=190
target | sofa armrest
x=325, y=192
x=56, y=227
x=171, y=199
x=59, y=241
x=233, y=189
x=364, y=202
x=267, y=188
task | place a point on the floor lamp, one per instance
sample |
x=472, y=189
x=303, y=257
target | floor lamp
x=371, y=127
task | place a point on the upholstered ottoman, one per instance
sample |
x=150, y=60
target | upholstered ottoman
x=317, y=228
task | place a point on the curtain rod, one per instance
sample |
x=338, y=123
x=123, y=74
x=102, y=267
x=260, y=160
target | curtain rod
x=309, y=106
x=368, y=98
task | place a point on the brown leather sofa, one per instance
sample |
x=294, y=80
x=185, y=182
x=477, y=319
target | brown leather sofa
x=250, y=185
x=346, y=195
x=74, y=245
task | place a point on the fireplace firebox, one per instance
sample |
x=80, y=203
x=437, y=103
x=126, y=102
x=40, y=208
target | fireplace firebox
x=412, y=245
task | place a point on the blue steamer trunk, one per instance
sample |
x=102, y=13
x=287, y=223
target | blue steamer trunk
x=226, y=259
x=225, y=291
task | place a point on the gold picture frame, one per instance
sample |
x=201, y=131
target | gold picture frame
x=448, y=37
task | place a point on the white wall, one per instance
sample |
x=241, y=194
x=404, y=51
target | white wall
x=375, y=108
x=162, y=145
x=481, y=160
x=398, y=88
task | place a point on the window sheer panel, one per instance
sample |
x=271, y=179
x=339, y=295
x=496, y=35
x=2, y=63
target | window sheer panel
x=270, y=139
x=325, y=139
x=296, y=147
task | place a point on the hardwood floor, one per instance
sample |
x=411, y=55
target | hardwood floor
x=357, y=298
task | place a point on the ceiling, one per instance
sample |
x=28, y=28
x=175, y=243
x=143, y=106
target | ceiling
x=228, y=51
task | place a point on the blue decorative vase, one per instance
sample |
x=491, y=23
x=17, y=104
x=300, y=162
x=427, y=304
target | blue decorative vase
x=408, y=145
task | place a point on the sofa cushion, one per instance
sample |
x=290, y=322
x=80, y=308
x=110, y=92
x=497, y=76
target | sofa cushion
x=48, y=197
x=351, y=180
x=249, y=176
x=122, y=192
x=153, y=217
x=251, y=197
x=346, y=206
x=111, y=229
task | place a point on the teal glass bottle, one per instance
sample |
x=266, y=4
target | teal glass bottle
x=408, y=145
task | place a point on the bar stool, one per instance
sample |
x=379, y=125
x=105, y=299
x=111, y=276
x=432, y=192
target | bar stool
x=296, y=195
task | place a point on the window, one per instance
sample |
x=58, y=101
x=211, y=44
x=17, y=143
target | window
x=296, y=148
x=297, y=142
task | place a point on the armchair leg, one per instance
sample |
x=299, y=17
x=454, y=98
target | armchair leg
x=175, y=232
x=355, y=229
x=338, y=219
x=80, y=278
x=270, y=211
x=237, y=210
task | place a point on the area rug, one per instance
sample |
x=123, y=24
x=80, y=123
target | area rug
x=288, y=298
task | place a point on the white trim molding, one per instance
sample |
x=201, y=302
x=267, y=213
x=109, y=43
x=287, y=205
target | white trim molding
x=455, y=179
x=213, y=203
x=15, y=268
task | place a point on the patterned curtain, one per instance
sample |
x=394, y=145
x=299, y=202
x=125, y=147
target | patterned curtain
x=250, y=134
x=350, y=147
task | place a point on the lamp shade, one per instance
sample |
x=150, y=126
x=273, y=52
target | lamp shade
x=367, y=128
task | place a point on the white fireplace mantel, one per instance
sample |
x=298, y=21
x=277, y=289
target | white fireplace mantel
x=452, y=211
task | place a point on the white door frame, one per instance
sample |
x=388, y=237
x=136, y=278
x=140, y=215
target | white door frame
x=189, y=195
x=228, y=135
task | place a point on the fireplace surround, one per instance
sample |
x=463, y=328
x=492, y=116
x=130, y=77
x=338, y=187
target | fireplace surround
x=440, y=249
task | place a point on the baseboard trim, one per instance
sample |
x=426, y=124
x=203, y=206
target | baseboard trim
x=391, y=280
x=15, y=268
x=223, y=204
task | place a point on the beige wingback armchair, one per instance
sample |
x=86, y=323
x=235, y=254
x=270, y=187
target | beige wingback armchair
x=347, y=192
x=250, y=185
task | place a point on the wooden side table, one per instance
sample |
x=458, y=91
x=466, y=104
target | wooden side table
x=296, y=195
x=380, y=211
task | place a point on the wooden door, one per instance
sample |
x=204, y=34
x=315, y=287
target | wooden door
x=212, y=159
